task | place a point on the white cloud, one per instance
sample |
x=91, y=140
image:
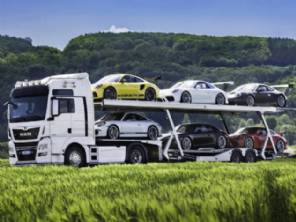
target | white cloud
x=115, y=29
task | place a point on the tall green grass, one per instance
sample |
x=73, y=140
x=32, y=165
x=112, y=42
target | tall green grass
x=264, y=191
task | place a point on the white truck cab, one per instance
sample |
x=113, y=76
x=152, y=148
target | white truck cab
x=49, y=116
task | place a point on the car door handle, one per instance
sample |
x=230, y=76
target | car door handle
x=69, y=130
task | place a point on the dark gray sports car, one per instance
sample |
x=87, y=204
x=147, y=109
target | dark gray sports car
x=257, y=94
x=194, y=136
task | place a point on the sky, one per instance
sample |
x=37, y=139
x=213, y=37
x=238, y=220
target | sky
x=55, y=22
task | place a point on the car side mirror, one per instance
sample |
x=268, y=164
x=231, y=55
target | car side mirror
x=55, y=107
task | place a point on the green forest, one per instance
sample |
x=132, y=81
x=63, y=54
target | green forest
x=174, y=57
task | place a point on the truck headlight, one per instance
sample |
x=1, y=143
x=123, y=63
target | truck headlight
x=43, y=146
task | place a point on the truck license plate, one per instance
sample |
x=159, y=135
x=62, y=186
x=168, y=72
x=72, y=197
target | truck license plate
x=26, y=152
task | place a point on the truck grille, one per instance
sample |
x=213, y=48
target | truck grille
x=20, y=134
x=26, y=151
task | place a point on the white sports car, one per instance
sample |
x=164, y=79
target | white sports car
x=120, y=124
x=196, y=91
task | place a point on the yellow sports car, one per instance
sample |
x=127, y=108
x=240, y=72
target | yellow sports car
x=124, y=86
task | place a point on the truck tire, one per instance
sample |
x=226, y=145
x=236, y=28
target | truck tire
x=250, y=156
x=136, y=154
x=236, y=156
x=75, y=156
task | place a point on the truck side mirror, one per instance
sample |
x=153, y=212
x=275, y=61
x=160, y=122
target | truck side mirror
x=55, y=107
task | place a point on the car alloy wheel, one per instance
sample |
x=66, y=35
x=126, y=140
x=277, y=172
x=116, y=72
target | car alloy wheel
x=150, y=94
x=222, y=142
x=249, y=142
x=113, y=132
x=185, y=97
x=186, y=143
x=110, y=93
x=280, y=146
x=220, y=99
x=281, y=101
x=152, y=133
x=250, y=100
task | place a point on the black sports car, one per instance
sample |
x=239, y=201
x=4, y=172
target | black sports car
x=255, y=93
x=194, y=136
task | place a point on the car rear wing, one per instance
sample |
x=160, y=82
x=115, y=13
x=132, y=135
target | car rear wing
x=285, y=88
x=224, y=85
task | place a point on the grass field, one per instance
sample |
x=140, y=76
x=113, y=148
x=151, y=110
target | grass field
x=263, y=191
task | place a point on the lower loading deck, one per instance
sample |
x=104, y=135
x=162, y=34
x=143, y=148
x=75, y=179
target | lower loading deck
x=130, y=150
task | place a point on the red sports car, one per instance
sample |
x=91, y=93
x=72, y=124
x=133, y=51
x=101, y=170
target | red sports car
x=254, y=137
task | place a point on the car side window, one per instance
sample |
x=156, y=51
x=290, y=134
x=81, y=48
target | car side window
x=66, y=106
x=199, y=85
x=261, y=89
x=126, y=78
x=136, y=79
x=140, y=118
x=129, y=117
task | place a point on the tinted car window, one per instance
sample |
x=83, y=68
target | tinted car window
x=126, y=78
x=136, y=79
x=139, y=117
x=262, y=89
x=130, y=117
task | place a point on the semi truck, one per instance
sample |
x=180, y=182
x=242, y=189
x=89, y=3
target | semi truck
x=52, y=121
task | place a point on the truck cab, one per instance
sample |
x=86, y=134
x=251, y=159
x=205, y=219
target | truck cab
x=49, y=116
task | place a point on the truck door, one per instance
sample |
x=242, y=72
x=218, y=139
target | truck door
x=61, y=124
x=78, y=118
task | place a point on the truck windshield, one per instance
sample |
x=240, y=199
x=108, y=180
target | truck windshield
x=28, y=104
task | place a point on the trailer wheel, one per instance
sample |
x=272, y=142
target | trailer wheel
x=236, y=156
x=75, y=156
x=136, y=154
x=250, y=156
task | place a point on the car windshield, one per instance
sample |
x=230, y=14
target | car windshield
x=185, y=84
x=112, y=116
x=247, y=87
x=28, y=104
x=110, y=78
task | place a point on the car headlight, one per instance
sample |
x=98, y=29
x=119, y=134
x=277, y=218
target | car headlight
x=99, y=86
x=175, y=91
x=99, y=124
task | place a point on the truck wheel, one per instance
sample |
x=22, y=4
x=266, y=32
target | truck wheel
x=110, y=93
x=150, y=94
x=236, y=156
x=220, y=99
x=113, y=132
x=250, y=156
x=152, y=133
x=186, y=97
x=75, y=156
x=135, y=154
x=281, y=101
